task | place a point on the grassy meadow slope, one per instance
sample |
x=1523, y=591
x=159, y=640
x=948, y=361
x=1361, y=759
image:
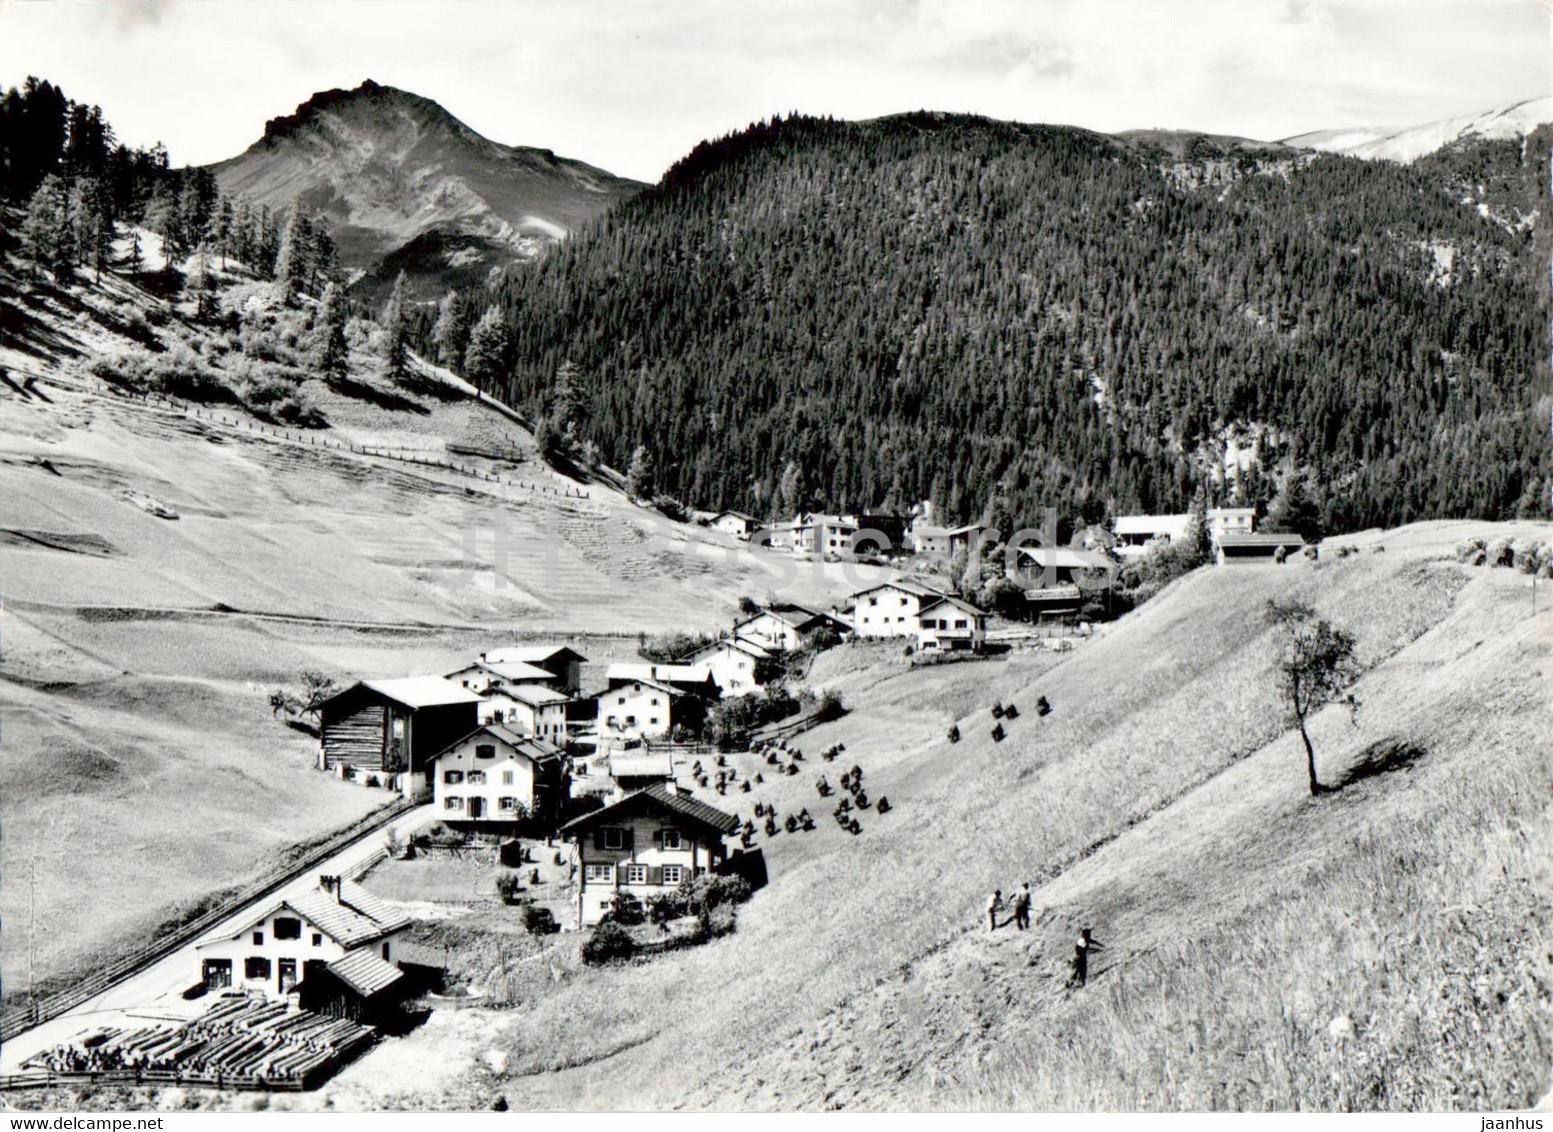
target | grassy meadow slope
x=138, y=650
x=1382, y=946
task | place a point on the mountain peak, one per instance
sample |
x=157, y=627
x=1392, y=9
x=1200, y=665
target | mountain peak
x=402, y=183
x=371, y=97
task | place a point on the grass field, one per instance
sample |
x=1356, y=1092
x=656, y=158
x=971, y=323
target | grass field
x=1380, y=947
x=140, y=768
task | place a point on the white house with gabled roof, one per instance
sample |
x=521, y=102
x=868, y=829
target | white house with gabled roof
x=495, y=775
x=339, y=924
x=735, y=663
x=891, y=609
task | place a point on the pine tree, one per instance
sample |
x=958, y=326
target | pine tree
x=47, y=236
x=330, y=351
x=91, y=223
x=640, y=476
x=202, y=282
x=485, y=361
x=450, y=334
x=395, y=351
x=790, y=489
x=162, y=219
x=291, y=266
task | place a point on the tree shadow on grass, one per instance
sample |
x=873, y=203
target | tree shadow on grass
x=1380, y=757
x=382, y=398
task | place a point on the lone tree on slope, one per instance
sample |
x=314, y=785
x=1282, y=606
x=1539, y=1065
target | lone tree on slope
x=1316, y=666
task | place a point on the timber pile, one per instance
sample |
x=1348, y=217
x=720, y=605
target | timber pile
x=240, y=1042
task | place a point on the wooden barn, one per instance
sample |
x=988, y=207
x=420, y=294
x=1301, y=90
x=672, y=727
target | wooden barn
x=395, y=727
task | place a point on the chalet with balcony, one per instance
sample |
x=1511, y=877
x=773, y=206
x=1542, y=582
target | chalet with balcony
x=646, y=843
x=948, y=624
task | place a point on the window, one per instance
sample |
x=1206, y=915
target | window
x=258, y=939
x=671, y=839
x=287, y=927
x=318, y=939
x=614, y=838
x=385, y=949
x=256, y=967
x=655, y=719
x=655, y=701
x=601, y=874
x=476, y=778
x=961, y=623
x=453, y=777
x=506, y=778
x=636, y=874
x=630, y=721
x=621, y=700
x=452, y=803
x=673, y=874
x=485, y=751
x=508, y=804
x=873, y=601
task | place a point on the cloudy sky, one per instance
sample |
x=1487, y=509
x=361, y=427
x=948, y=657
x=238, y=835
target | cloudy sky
x=632, y=84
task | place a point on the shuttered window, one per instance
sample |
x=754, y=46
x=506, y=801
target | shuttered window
x=636, y=874
x=673, y=874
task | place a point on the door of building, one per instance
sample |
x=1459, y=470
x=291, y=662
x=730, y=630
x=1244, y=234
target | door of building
x=476, y=808
x=288, y=975
x=218, y=973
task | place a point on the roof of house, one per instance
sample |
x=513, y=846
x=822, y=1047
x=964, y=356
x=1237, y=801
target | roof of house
x=1260, y=539
x=535, y=750
x=663, y=673
x=535, y=695
x=634, y=764
x=1067, y=558
x=900, y=584
x=658, y=685
x=518, y=671
x=736, y=515
x=364, y=972
x=355, y=917
x=1148, y=524
x=659, y=796
x=531, y=654
x=421, y=691
x=759, y=652
x=956, y=602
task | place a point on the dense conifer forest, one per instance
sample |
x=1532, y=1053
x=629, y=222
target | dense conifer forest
x=1004, y=318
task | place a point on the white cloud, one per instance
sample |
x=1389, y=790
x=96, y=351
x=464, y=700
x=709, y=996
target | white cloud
x=632, y=85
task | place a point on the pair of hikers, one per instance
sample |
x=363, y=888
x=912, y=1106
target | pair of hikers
x=1020, y=901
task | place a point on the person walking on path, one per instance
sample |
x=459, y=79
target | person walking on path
x=1085, y=943
x=1022, y=907
x=994, y=906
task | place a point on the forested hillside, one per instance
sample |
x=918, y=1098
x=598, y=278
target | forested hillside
x=1007, y=316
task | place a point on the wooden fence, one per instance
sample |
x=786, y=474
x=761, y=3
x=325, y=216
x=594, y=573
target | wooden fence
x=52, y=1006
x=420, y=457
x=39, y=1079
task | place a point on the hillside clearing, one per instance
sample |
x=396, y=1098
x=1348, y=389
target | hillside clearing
x=1162, y=804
